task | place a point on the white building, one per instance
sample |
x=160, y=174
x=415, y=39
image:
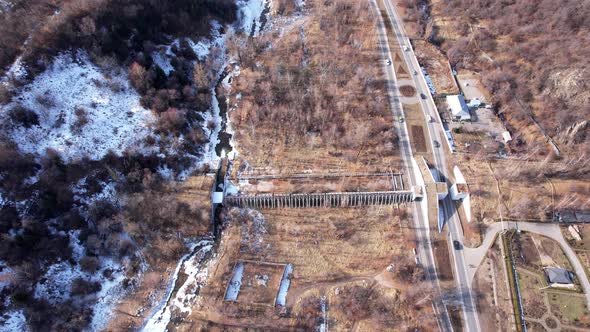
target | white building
x=459, y=189
x=458, y=108
x=506, y=136
x=460, y=192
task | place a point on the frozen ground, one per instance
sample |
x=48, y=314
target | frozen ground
x=202, y=48
x=13, y=320
x=5, y=5
x=56, y=287
x=196, y=267
x=115, y=119
x=108, y=193
x=249, y=13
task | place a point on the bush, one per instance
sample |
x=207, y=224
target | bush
x=89, y=264
x=24, y=116
x=81, y=119
x=82, y=286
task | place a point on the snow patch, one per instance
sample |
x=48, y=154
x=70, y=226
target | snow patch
x=17, y=70
x=13, y=320
x=55, y=285
x=108, y=296
x=115, y=119
x=285, y=283
x=78, y=250
x=163, y=61
x=249, y=13
x=108, y=193
x=196, y=268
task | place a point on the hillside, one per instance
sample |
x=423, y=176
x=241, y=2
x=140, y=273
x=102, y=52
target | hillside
x=533, y=57
x=108, y=121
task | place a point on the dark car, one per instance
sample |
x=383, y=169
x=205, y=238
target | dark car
x=457, y=245
x=423, y=96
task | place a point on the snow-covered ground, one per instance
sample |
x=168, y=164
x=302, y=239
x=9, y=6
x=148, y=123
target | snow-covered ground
x=249, y=13
x=196, y=267
x=116, y=120
x=108, y=193
x=164, y=55
x=5, y=5
x=57, y=281
x=13, y=320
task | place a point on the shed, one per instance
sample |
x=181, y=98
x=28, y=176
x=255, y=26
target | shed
x=558, y=277
x=506, y=136
x=458, y=107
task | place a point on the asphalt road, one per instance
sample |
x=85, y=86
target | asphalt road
x=419, y=208
x=436, y=132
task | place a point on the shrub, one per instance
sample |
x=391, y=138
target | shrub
x=81, y=286
x=81, y=119
x=24, y=116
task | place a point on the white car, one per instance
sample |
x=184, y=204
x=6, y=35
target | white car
x=406, y=48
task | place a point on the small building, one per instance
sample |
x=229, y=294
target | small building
x=460, y=192
x=559, y=277
x=458, y=108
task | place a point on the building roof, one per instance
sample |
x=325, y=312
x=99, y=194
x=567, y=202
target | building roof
x=557, y=275
x=458, y=107
x=506, y=136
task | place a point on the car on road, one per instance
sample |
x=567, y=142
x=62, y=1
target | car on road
x=401, y=119
x=457, y=245
x=406, y=48
x=436, y=144
x=423, y=96
x=415, y=72
x=388, y=62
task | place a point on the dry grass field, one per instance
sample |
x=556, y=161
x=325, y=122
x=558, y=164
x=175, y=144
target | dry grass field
x=314, y=99
x=341, y=255
x=311, y=184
